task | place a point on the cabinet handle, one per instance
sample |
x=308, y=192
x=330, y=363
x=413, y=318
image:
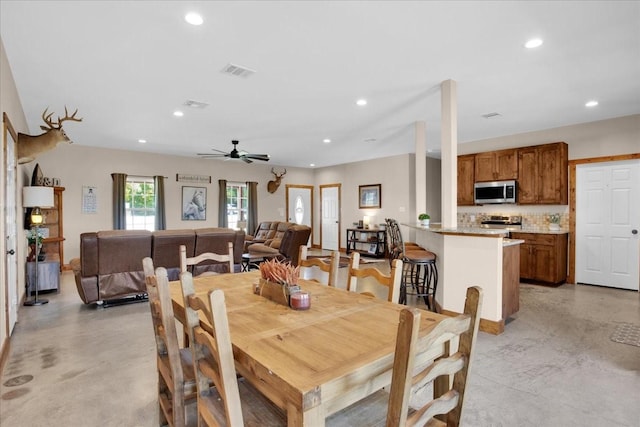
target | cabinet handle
x=11, y=252
x=634, y=231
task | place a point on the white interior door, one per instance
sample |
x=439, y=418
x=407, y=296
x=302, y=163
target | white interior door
x=607, y=224
x=330, y=217
x=300, y=206
x=10, y=267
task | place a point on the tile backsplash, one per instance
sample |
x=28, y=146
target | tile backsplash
x=535, y=218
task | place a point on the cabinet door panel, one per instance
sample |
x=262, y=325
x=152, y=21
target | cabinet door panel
x=485, y=167
x=553, y=174
x=527, y=176
x=545, y=263
x=506, y=164
x=465, y=180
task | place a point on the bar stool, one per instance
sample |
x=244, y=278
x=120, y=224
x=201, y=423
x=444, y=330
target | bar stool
x=420, y=270
x=421, y=273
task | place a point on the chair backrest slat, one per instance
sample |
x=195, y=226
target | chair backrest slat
x=331, y=268
x=392, y=281
x=185, y=261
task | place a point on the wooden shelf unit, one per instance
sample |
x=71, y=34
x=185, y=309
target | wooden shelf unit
x=367, y=241
x=53, y=246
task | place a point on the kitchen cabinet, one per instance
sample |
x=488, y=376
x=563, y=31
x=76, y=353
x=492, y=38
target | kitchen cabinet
x=543, y=257
x=466, y=179
x=53, y=245
x=496, y=165
x=543, y=174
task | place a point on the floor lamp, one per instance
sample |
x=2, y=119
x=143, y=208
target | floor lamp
x=36, y=198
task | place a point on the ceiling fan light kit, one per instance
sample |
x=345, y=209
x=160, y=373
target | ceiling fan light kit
x=235, y=154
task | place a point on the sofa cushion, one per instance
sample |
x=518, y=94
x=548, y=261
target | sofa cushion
x=122, y=251
x=262, y=248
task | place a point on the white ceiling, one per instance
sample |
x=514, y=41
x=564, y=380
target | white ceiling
x=128, y=65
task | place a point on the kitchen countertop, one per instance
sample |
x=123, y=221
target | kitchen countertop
x=512, y=242
x=480, y=231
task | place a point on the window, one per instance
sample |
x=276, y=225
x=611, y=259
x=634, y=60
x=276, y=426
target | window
x=236, y=204
x=140, y=203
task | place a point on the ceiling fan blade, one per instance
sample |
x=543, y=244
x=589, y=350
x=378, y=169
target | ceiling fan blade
x=206, y=155
x=264, y=157
x=245, y=159
x=219, y=151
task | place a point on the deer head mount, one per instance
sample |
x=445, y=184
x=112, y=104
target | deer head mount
x=272, y=186
x=30, y=146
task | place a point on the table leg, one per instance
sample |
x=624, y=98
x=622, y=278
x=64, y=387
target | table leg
x=312, y=417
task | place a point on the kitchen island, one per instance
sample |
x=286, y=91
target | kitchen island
x=474, y=256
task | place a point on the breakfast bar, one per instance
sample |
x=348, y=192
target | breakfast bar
x=474, y=256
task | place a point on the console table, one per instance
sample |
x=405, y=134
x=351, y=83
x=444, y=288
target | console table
x=48, y=276
x=367, y=241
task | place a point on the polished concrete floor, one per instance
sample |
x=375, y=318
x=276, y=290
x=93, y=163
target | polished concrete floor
x=76, y=365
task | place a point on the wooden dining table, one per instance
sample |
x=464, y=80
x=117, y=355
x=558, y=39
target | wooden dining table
x=311, y=363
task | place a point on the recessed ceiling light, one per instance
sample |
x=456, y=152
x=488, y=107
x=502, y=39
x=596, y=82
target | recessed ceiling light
x=361, y=102
x=193, y=18
x=178, y=113
x=312, y=164
x=533, y=43
x=142, y=141
x=591, y=104
x=326, y=141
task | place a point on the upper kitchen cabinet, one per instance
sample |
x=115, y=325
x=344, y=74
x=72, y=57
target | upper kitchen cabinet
x=466, y=165
x=543, y=174
x=496, y=165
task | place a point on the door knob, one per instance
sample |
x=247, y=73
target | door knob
x=11, y=252
x=634, y=231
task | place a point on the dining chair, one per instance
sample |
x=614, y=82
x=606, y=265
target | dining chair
x=231, y=401
x=206, y=256
x=176, y=378
x=391, y=282
x=414, y=369
x=309, y=264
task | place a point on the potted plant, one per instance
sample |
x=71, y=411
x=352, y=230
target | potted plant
x=554, y=221
x=424, y=219
x=34, y=237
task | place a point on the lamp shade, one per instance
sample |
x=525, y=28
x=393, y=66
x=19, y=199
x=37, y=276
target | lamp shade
x=41, y=197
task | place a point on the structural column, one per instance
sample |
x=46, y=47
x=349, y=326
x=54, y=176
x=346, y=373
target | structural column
x=449, y=147
x=421, y=168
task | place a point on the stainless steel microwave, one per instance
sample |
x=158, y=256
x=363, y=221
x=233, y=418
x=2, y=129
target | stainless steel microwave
x=494, y=192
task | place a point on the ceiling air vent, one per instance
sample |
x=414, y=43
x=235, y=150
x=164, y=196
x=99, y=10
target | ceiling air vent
x=195, y=104
x=491, y=115
x=237, y=70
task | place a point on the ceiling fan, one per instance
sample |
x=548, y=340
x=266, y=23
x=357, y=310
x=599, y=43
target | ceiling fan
x=235, y=154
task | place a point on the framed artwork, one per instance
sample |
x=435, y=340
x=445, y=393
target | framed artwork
x=370, y=196
x=194, y=203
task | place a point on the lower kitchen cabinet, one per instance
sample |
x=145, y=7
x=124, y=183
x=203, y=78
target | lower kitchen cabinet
x=543, y=257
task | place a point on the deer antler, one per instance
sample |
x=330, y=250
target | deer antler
x=47, y=119
x=67, y=117
x=51, y=125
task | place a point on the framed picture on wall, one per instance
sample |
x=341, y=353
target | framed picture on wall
x=194, y=203
x=370, y=196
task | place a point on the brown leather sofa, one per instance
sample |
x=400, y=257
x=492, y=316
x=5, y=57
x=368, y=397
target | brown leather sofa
x=268, y=233
x=110, y=263
x=289, y=246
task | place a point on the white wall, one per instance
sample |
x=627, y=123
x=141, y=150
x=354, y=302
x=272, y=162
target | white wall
x=620, y=135
x=397, y=183
x=78, y=165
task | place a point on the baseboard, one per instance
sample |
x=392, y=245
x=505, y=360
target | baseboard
x=489, y=326
x=4, y=353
